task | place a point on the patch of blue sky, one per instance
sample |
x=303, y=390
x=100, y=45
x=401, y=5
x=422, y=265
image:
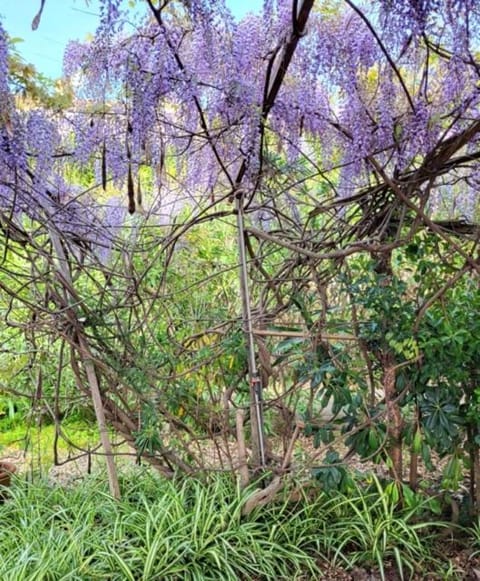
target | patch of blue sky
x=62, y=21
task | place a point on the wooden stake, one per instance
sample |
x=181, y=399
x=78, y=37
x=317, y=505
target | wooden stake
x=63, y=275
x=87, y=361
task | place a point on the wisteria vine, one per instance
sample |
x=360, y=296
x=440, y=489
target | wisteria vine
x=179, y=90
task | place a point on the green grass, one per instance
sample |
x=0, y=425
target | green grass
x=38, y=440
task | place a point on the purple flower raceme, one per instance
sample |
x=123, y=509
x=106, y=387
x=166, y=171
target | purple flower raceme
x=175, y=102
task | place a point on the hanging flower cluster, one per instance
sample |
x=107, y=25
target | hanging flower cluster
x=180, y=96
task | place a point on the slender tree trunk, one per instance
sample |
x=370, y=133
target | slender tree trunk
x=388, y=362
x=242, y=449
x=473, y=452
x=258, y=441
x=476, y=472
x=394, y=418
x=413, y=476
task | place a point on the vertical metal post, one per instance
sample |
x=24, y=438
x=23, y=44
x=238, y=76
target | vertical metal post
x=256, y=388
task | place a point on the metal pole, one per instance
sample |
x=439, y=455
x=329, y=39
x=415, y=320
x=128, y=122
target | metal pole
x=256, y=388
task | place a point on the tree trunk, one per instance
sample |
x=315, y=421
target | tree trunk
x=473, y=452
x=242, y=449
x=394, y=418
x=414, y=452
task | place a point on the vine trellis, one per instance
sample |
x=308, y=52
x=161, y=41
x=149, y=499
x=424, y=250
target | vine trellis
x=325, y=157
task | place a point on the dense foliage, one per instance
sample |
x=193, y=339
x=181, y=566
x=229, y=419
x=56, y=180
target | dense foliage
x=188, y=529
x=330, y=149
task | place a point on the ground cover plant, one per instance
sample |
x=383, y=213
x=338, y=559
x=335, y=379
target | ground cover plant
x=251, y=248
x=196, y=529
x=161, y=529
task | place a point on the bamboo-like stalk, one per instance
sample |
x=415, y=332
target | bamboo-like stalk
x=63, y=274
x=256, y=388
x=302, y=335
x=92, y=378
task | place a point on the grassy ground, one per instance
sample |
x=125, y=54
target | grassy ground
x=31, y=447
x=21, y=436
